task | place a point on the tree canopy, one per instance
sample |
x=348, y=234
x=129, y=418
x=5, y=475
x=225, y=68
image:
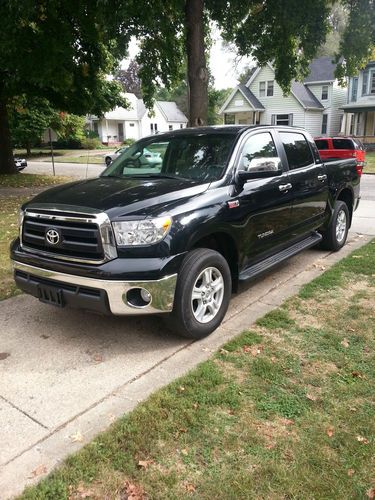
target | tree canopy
x=63, y=50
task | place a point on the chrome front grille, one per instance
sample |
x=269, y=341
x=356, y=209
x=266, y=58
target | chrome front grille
x=82, y=237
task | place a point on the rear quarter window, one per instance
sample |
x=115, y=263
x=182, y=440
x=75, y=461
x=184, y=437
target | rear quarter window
x=297, y=150
x=321, y=144
x=343, y=144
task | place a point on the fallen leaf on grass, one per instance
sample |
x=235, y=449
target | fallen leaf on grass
x=223, y=351
x=371, y=493
x=184, y=452
x=144, y=464
x=356, y=256
x=345, y=343
x=254, y=350
x=362, y=439
x=195, y=406
x=330, y=431
x=77, y=437
x=190, y=488
x=41, y=469
x=81, y=491
x=350, y=472
x=181, y=388
x=286, y=421
x=311, y=397
x=133, y=491
x=357, y=375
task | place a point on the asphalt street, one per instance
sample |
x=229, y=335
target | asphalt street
x=66, y=375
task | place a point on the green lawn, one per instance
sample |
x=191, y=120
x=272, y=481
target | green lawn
x=31, y=180
x=84, y=158
x=370, y=163
x=10, y=205
x=286, y=410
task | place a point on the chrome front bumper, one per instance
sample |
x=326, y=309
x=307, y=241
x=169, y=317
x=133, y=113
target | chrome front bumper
x=162, y=291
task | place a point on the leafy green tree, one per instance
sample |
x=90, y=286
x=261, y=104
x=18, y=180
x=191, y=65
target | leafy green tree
x=69, y=128
x=28, y=120
x=60, y=50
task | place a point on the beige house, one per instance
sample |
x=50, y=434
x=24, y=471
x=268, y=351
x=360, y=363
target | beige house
x=314, y=104
x=359, y=117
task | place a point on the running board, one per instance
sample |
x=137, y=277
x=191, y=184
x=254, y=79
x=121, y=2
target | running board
x=267, y=264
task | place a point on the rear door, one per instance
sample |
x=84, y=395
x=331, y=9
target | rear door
x=308, y=177
x=261, y=214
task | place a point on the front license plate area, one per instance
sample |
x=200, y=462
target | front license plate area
x=51, y=295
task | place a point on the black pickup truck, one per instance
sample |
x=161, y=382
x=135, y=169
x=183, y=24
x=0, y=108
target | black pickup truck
x=176, y=234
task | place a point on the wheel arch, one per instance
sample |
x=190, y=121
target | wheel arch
x=223, y=243
x=347, y=196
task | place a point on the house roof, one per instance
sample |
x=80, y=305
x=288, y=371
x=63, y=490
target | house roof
x=255, y=103
x=304, y=95
x=171, y=111
x=322, y=69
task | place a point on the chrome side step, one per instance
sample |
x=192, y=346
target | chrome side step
x=267, y=264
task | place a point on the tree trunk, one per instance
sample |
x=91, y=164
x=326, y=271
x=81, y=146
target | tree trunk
x=7, y=165
x=28, y=148
x=197, y=71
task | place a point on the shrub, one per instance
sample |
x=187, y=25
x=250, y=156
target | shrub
x=128, y=142
x=91, y=143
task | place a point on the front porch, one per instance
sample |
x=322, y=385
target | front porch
x=242, y=118
x=360, y=123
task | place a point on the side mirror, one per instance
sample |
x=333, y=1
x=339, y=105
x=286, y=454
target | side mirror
x=260, y=168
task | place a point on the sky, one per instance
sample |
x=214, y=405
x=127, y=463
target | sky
x=224, y=65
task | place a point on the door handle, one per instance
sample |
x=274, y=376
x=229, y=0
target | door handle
x=285, y=187
x=322, y=177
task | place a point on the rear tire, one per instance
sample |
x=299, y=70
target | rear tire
x=203, y=291
x=334, y=238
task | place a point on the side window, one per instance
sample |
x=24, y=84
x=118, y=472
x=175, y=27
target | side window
x=297, y=150
x=321, y=144
x=259, y=154
x=343, y=144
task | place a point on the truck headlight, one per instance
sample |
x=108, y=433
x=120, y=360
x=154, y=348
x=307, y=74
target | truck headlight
x=141, y=232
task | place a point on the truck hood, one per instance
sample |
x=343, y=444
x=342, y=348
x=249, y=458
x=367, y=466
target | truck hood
x=122, y=197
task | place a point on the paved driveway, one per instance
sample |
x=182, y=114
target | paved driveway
x=67, y=375
x=78, y=170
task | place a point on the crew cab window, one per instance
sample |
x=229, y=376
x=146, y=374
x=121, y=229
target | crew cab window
x=257, y=146
x=297, y=150
x=321, y=144
x=343, y=144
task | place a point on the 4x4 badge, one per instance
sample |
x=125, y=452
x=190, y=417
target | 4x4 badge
x=233, y=204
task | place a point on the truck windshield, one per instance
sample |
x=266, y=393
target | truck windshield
x=201, y=157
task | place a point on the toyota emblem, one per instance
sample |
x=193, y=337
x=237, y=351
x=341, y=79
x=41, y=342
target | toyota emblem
x=52, y=237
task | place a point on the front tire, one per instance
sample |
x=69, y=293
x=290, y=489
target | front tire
x=334, y=238
x=202, y=295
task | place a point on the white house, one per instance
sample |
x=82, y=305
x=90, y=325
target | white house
x=359, y=117
x=314, y=104
x=135, y=122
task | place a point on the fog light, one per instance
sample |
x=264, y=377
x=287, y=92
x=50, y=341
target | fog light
x=146, y=295
x=138, y=297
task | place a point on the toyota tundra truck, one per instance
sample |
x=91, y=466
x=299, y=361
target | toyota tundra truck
x=176, y=237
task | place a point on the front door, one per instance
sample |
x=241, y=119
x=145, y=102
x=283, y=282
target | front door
x=120, y=127
x=262, y=214
x=309, y=183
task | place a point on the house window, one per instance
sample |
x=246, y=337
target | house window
x=355, y=89
x=95, y=127
x=131, y=124
x=154, y=128
x=365, y=76
x=238, y=102
x=270, y=88
x=229, y=119
x=324, y=92
x=282, y=119
x=372, y=83
x=170, y=127
x=324, y=124
x=181, y=125
x=262, y=89
x=297, y=150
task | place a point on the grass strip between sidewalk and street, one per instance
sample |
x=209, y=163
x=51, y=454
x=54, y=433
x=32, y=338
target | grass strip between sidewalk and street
x=285, y=410
x=31, y=180
x=370, y=163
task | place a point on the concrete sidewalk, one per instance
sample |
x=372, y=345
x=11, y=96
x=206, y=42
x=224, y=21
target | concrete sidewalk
x=66, y=377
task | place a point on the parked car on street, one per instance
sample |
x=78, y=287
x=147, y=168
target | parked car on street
x=224, y=205
x=20, y=163
x=337, y=148
x=109, y=157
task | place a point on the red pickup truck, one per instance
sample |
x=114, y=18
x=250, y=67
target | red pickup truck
x=339, y=148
